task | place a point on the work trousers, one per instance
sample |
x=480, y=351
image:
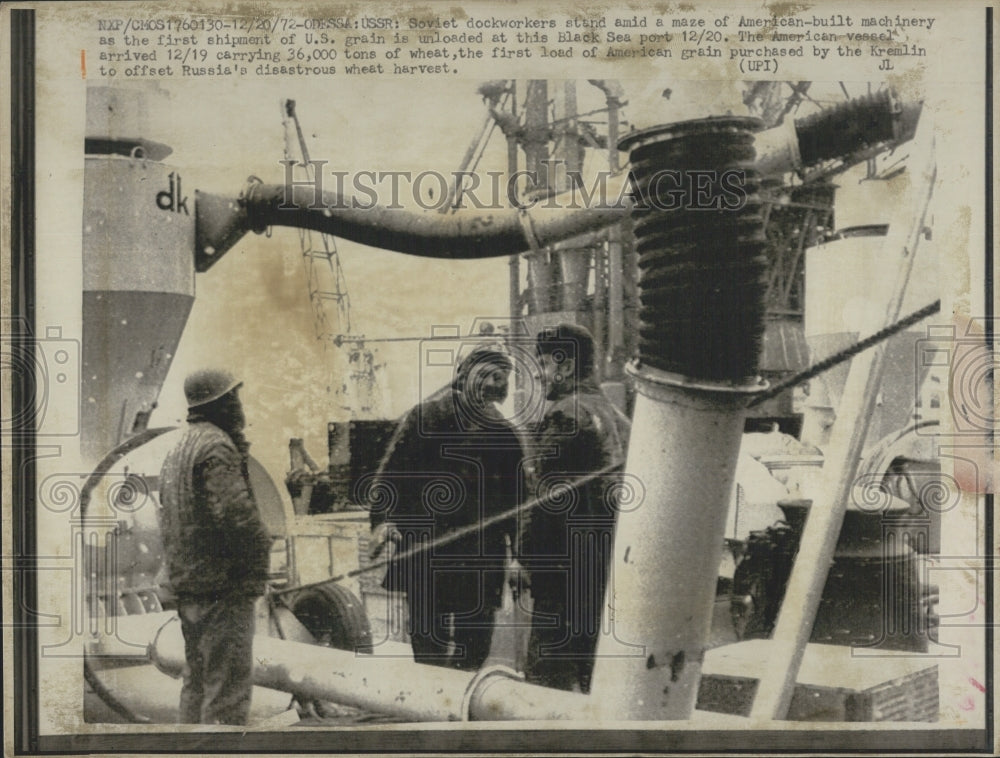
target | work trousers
x=462, y=643
x=218, y=646
x=565, y=630
x=444, y=631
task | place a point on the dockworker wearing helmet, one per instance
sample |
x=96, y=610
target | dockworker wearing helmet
x=453, y=461
x=217, y=550
x=565, y=542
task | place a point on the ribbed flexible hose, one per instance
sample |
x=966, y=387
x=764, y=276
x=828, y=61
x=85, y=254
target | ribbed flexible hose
x=699, y=234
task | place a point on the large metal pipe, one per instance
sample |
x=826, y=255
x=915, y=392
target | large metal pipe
x=389, y=685
x=702, y=307
x=222, y=221
x=464, y=234
x=702, y=285
x=855, y=125
x=844, y=132
x=335, y=675
x=683, y=449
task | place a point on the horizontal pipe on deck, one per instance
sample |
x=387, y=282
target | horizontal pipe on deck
x=389, y=685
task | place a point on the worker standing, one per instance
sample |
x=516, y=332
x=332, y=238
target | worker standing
x=566, y=541
x=452, y=462
x=217, y=550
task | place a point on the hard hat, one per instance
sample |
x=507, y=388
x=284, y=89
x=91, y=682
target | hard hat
x=207, y=385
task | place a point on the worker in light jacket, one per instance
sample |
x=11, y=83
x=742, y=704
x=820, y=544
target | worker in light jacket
x=217, y=550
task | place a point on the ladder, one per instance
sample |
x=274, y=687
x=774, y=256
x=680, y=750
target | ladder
x=324, y=275
x=360, y=394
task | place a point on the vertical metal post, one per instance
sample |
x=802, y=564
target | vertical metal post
x=658, y=607
x=616, y=315
x=574, y=256
x=514, y=264
x=599, y=310
x=541, y=268
x=696, y=372
x=616, y=291
x=455, y=189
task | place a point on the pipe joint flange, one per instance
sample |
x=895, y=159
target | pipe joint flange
x=250, y=188
x=481, y=676
x=247, y=196
x=669, y=387
x=528, y=227
x=153, y=646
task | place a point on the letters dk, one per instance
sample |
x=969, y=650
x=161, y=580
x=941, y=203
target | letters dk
x=172, y=199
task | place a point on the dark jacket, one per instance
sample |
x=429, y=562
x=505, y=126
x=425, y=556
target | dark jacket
x=581, y=433
x=215, y=541
x=443, y=470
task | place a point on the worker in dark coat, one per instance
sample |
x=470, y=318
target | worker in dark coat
x=217, y=550
x=452, y=462
x=566, y=541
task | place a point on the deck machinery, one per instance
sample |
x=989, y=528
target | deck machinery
x=682, y=305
